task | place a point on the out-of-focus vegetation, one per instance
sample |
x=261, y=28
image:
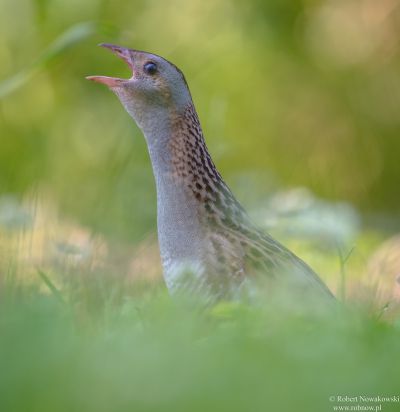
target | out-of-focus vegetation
x=291, y=94
x=297, y=92
x=109, y=347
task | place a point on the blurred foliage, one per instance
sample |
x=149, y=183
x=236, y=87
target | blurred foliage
x=107, y=346
x=290, y=93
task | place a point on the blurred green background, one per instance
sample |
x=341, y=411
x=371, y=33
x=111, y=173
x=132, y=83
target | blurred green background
x=290, y=93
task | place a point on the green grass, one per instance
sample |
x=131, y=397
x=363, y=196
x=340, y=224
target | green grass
x=289, y=94
x=101, y=344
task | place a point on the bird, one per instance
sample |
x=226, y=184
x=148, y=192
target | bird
x=208, y=243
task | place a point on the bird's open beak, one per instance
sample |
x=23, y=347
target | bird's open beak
x=125, y=55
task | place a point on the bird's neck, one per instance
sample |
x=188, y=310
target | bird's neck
x=190, y=191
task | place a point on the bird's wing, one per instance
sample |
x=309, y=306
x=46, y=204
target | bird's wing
x=264, y=254
x=225, y=264
x=250, y=253
x=241, y=249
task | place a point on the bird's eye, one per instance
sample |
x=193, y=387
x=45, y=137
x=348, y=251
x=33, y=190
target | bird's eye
x=150, y=68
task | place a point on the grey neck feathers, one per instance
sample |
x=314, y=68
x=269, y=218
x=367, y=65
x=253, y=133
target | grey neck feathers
x=180, y=230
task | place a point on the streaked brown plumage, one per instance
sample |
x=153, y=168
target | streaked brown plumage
x=200, y=223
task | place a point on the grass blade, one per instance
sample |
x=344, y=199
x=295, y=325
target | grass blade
x=70, y=37
x=57, y=294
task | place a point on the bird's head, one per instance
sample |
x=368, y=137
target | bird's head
x=155, y=87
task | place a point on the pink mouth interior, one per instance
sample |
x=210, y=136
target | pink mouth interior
x=124, y=54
